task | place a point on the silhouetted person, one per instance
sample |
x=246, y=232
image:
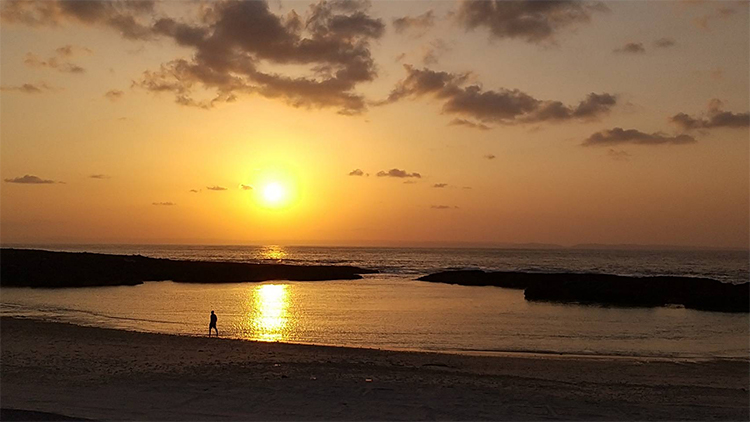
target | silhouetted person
x=212, y=324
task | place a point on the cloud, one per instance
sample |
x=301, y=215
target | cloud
x=245, y=187
x=126, y=17
x=31, y=180
x=532, y=21
x=442, y=207
x=490, y=156
x=703, y=21
x=398, y=173
x=432, y=52
x=469, y=124
x=231, y=43
x=114, y=94
x=618, y=136
x=237, y=38
x=665, y=42
x=716, y=117
x=502, y=106
x=618, y=155
x=193, y=191
x=30, y=88
x=59, y=61
x=356, y=172
x=165, y=204
x=417, y=24
x=99, y=176
x=72, y=50
x=631, y=48
x=439, y=185
x=216, y=188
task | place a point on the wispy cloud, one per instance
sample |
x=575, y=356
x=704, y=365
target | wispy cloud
x=631, y=48
x=30, y=88
x=216, y=188
x=356, y=172
x=245, y=187
x=618, y=136
x=397, y=173
x=490, y=156
x=99, y=176
x=164, y=204
x=443, y=207
x=439, y=185
x=114, y=95
x=31, y=180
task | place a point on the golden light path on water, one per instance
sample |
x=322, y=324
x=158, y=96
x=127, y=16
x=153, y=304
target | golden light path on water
x=268, y=312
x=273, y=252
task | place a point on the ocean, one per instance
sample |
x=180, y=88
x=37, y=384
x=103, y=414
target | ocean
x=392, y=310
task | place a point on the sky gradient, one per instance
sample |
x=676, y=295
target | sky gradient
x=385, y=123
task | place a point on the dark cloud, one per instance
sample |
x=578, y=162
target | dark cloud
x=356, y=172
x=618, y=155
x=416, y=24
x=502, y=106
x=99, y=176
x=716, y=117
x=114, y=94
x=469, y=124
x=618, y=136
x=231, y=41
x=631, y=48
x=29, y=88
x=245, y=187
x=193, y=191
x=665, y=42
x=439, y=185
x=129, y=18
x=166, y=204
x=442, y=207
x=398, y=173
x=31, y=180
x=216, y=188
x=532, y=21
x=490, y=156
x=236, y=38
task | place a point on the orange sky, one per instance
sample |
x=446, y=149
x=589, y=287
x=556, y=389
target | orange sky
x=510, y=122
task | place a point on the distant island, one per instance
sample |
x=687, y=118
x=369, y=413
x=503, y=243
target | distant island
x=611, y=290
x=38, y=268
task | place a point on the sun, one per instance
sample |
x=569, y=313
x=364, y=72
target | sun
x=274, y=194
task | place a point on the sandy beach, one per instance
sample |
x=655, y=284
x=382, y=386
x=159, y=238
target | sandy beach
x=109, y=374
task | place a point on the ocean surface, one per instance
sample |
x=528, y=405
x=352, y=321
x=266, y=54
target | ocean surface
x=392, y=310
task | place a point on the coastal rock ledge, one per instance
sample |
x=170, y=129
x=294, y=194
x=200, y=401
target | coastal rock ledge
x=611, y=290
x=37, y=268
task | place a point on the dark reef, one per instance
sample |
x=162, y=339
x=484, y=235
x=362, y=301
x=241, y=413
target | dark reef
x=37, y=268
x=611, y=290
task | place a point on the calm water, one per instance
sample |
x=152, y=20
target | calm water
x=391, y=310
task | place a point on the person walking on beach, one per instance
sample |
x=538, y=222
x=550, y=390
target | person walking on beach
x=212, y=324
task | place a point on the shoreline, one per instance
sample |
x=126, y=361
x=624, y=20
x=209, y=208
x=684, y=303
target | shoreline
x=101, y=373
x=539, y=354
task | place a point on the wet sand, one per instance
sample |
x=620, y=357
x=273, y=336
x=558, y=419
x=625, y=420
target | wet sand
x=106, y=374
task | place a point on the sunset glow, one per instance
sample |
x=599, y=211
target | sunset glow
x=437, y=123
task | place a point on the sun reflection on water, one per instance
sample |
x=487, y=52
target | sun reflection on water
x=269, y=314
x=273, y=252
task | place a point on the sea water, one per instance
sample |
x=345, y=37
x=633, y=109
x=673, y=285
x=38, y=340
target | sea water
x=394, y=311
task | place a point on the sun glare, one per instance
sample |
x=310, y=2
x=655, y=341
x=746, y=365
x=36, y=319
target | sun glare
x=274, y=194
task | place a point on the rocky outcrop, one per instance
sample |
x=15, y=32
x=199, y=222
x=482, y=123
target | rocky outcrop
x=36, y=268
x=611, y=290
